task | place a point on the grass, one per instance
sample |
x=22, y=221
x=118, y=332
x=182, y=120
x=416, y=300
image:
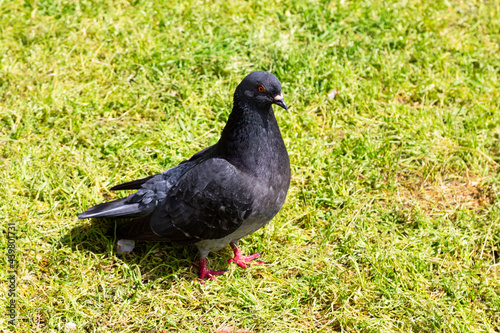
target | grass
x=392, y=220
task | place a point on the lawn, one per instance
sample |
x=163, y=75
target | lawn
x=392, y=221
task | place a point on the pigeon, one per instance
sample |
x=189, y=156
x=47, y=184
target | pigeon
x=222, y=193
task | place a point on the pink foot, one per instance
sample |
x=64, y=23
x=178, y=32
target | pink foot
x=206, y=273
x=241, y=260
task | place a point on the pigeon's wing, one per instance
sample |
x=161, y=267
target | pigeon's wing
x=115, y=208
x=209, y=201
x=133, y=185
x=202, y=153
x=137, y=184
x=143, y=202
x=151, y=191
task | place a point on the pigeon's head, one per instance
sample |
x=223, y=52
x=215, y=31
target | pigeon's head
x=261, y=89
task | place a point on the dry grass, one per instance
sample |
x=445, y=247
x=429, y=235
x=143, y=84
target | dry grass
x=445, y=196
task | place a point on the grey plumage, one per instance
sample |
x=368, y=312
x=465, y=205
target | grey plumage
x=221, y=193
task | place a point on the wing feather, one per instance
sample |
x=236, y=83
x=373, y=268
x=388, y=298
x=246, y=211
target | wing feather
x=209, y=201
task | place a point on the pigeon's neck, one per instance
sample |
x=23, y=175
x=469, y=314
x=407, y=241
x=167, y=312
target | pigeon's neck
x=252, y=140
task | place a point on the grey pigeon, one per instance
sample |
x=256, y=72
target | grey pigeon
x=222, y=193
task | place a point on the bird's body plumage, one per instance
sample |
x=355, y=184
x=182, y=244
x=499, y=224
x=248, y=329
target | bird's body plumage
x=223, y=192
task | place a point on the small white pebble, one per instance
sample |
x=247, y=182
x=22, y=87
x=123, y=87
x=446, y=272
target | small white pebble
x=125, y=245
x=332, y=94
x=70, y=327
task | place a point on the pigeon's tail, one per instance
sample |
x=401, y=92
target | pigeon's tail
x=117, y=208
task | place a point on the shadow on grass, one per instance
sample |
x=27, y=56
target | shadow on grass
x=156, y=260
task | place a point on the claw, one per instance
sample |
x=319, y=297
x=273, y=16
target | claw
x=241, y=260
x=206, y=273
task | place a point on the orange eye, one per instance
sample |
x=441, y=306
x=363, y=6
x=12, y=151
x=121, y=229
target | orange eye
x=261, y=89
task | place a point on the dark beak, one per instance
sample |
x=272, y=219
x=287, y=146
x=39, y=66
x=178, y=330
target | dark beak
x=278, y=100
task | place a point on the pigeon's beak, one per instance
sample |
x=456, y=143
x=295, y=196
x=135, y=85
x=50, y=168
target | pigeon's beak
x=278, y=100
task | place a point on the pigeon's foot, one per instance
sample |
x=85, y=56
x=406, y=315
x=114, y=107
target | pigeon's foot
x=241, y=260
x=205, y=273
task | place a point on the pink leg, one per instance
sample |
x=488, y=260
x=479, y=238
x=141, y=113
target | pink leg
x=240, y=260
x=205, y=273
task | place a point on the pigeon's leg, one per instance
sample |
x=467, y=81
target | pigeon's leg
x=241, y=260
x=205, y=273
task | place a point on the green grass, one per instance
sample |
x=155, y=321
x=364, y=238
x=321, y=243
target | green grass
x=392, y=221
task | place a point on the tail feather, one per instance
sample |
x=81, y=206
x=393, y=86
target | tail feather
x=133, y=185
x=116, y=208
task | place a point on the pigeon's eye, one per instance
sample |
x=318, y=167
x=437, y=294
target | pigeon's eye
x=261, y=89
